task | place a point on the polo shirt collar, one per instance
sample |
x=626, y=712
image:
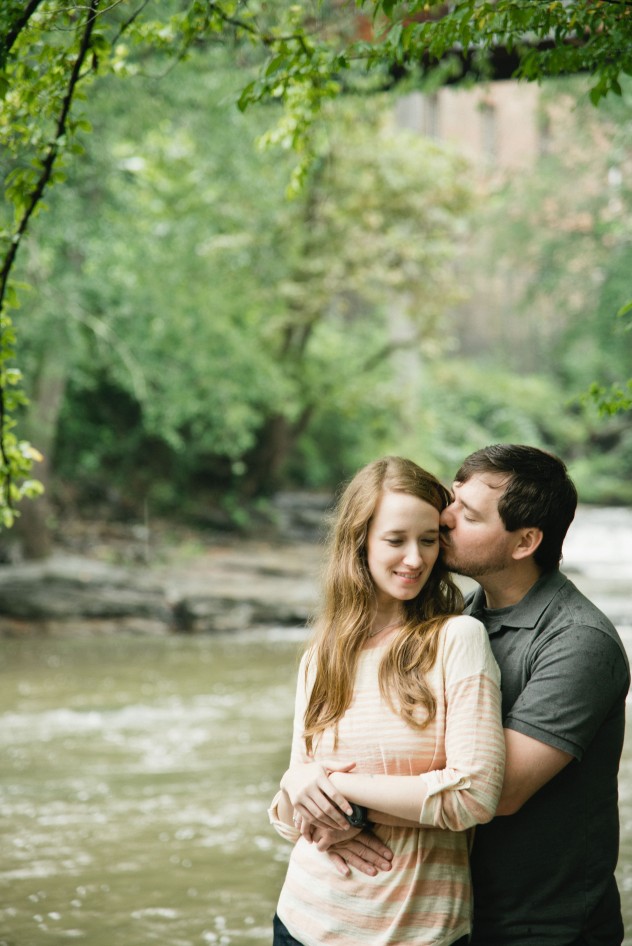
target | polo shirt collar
x=528, y=611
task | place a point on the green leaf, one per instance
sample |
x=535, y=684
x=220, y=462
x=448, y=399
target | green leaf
x=596, y=94
x=247, y=96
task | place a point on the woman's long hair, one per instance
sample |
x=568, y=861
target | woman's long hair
x=349, y=606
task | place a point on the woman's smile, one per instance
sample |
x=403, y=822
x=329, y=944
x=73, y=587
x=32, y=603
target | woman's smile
x=402, y=546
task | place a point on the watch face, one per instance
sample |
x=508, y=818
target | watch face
x=357, y=818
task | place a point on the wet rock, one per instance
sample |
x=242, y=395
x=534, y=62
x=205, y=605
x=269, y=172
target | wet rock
x=224, y=588
x=203, y=615
x=61, y=593
x=302, y=516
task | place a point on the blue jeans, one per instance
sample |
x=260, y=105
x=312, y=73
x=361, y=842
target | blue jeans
x=283, y=938
x=281, y=935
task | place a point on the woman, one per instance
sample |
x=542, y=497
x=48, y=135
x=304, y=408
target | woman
x=397, y=710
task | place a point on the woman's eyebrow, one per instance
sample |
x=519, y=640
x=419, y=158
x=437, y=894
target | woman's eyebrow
x=431, y=530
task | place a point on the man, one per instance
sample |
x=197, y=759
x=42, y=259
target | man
x=543, y=869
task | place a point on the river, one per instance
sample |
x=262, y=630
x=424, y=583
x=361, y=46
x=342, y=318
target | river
x=137, y=770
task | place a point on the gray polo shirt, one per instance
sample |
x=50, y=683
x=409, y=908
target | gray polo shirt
x=545, y=876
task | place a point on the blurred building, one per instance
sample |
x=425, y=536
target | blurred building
x=499, y=125
x=504, y=128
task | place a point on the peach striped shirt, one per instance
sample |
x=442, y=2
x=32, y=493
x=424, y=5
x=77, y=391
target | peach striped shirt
x=426, y=897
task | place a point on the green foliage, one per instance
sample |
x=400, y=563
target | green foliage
x=50, y=53
x=549, y=271
x=284, y=338
x=611, y=401
x=462, y=405
x=563, y=233
x=618, y=398
x=16, y=455
x=552, y=38
x=202, y=309
x=40, y=78
x=321, y=56
x=598, y=476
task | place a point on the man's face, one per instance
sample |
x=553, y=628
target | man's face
x=474, y=540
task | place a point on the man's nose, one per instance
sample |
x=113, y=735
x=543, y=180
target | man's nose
x=446, y=519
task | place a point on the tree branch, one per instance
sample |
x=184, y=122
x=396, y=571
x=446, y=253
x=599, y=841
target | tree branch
x=17, y=28
x=126, y=25
x=268, y=39
x=53, y=151
x=36, y=195
x=385, y=351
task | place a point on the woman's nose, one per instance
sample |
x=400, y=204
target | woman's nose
x=413, y=555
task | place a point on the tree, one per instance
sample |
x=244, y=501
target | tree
x=447, y=43
x=51, y=50
x=556, y=253
x=463, y=41
x=218, y=319
x=50, y=54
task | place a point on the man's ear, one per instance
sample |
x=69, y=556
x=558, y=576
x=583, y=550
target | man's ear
x=528, y=540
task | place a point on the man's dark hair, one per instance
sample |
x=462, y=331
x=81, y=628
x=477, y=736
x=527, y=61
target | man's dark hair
x=539, y=492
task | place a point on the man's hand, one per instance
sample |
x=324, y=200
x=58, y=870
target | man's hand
x=353, y=847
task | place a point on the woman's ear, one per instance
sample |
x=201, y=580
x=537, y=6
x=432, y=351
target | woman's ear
x=528, y=541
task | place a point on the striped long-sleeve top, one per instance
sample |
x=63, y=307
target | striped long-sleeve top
x=426, y=897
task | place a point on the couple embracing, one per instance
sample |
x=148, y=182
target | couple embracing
x=453, y=771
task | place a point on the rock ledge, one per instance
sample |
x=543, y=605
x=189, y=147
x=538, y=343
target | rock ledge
x=241, y=586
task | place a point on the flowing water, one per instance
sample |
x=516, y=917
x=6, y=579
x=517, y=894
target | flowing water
x=136, y=773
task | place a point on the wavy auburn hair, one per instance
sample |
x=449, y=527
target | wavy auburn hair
x=349, y=604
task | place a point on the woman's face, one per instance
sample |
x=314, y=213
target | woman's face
x=402, y=546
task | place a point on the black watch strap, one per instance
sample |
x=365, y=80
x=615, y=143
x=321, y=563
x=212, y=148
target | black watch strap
x=359, y=818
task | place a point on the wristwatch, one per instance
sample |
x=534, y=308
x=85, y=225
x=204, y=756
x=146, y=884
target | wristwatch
x=359, y=817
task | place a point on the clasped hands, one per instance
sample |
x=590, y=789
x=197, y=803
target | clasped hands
x=319, y=815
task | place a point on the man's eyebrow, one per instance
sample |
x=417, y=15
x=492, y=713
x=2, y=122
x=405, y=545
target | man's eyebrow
x=465, y=505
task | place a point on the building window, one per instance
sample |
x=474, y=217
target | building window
x=431, y=115
x=545, y=134
x=489, y=130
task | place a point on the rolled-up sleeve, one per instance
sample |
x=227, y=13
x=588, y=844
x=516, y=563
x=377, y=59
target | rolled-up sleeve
x=466, y=790
x=289, y=832
x=298, y=754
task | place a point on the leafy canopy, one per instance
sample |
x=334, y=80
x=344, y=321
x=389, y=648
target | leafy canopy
x=307, y=53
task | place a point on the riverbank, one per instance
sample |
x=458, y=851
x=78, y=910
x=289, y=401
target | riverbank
x=104, y=578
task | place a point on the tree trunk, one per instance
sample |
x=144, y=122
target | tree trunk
x=33, y=524
x=268, y=458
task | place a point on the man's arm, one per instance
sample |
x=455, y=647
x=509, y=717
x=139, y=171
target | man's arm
x=529, y=765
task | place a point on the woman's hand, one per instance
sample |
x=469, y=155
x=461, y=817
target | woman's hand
x=316, y=801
